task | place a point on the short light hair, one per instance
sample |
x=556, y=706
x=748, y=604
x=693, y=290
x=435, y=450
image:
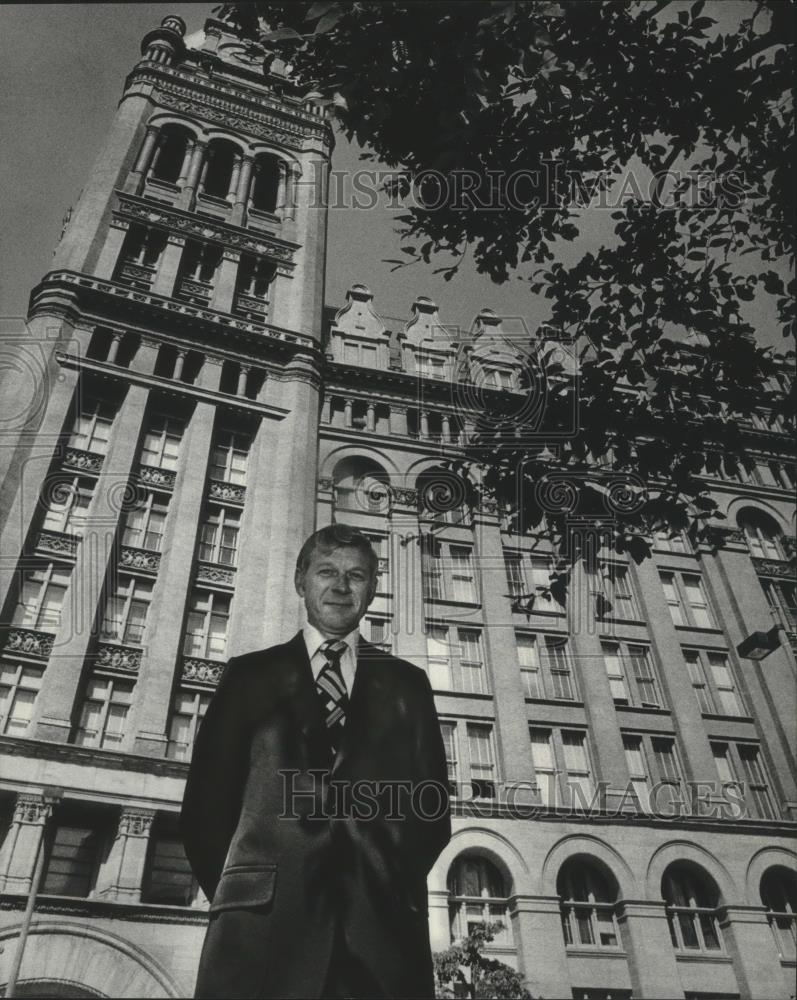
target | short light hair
x=336, y=536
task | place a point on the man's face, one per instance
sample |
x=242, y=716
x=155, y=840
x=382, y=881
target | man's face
x=337, y=587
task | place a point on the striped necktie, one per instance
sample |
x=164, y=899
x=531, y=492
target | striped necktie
x=332, y=690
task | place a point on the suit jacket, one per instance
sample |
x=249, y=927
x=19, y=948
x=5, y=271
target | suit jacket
x=286, y=861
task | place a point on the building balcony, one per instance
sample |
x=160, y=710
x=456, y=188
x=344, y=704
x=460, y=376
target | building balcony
x=216, y=575
x=198, y=293
x=139, y=559
x=773, y=567
x=228, y=492
x=115, y=656
x=162, y=479
x=251, y=307
x=57, y=543
x=29, y=642
x=85, y=461
x=138, y=275
x=196, y=670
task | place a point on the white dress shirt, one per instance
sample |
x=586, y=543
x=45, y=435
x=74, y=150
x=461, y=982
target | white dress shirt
x=313, y=640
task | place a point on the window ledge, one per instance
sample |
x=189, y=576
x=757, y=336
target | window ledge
x=569, y=702
x=621, y=621
x=702, y=629
x=719, y=717
x=644, y=709
x=608, y=951
x=702, y=956
x=483, y=695
x=456, y=604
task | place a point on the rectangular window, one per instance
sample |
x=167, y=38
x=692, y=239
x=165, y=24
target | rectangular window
x=377, y=631
x=126, y=611
x=229, y=458
x=105, y=707
x=463, y=584
x=514, y=574
x=675, y=541
x=530, y=666
x=580, y=788
x=187, y=712
x=72, y=862
x=713, y=683
x=19, y=685
x=471, y=662
x=687, y=600
x=758, y=798
x=42, y=598
x=379, y=543
x=544, y=766
x=782, y=599
x=161, y=447
x=631, y=676
x=92, y=428
x=432, y=572
x=68, y=506
x=218, y=540
x=540, y=568
x=438, y=654
x=169, y=880
x=616, y=598
x=558, y=668
x=206, y=630
x=449, y=733
x=482, y=760
x=144, y=524
x=637, y=770
x=653, y=767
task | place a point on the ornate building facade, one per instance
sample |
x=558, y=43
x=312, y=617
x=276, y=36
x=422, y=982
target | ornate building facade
x=623, y=779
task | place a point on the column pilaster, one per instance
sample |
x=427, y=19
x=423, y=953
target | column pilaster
x=406, y=574
x=122, y=873
x=651, y=959
x=97, y=550
x=224, y=286
x=538, y=923
x=500, y=649
x=22, y=842
x=112, y=249
x=756, y=962
x=169, y=266
x=171, y=586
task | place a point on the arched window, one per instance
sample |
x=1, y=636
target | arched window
x=170, y=156
x=762, y=534
x=265, y=188
x=691, y=899
x=779, y=896
x=362, y=486
x=587, y=898
x=478, y=894
x=218, y=170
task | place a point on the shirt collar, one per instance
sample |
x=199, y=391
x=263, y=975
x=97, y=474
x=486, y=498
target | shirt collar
x=313, y=639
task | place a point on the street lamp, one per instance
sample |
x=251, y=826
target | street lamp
x=50, y=797
x=759, y=644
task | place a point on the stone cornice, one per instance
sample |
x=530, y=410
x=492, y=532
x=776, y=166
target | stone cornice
x=170, y=386
x=73, y=907
x=362, y=438
x=208, y=230
x=217, y=99
x=114, y=760
x=115, y=298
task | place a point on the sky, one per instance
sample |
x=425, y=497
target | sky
x=62, y=70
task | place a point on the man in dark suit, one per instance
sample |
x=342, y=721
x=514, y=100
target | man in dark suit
x=317, y=803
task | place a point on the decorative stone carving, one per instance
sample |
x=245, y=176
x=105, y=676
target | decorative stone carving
x=86, y=461
x=30, y=809
x=30, y=641
x=227, y=491
x=325, y=483
x=248, y=303
x=57, y=541
x=118, y=657
x=162, y=478
x=204, y=671
x=733, y=538
x=205, y=229
x=216, y=574
x=405, y=496
x=773, y=567
x=137, y=273
x=135, y=822
x=233, y=115
x=139, y=559
x=200, y=288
